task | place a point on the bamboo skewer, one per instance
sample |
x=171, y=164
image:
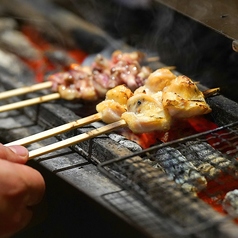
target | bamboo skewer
x=71, y=125
x=76, y=139
x=57, y=130
x=53, y=96
x=211, y=92
x=25, y=90
x=29, y=102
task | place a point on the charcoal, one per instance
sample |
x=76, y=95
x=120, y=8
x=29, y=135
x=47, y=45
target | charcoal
x=7, y=23
x=131, y=145
x=12, y=67
x=59, y=57
x=65, y=27
x=210, y=162
x=16, y=42
x=180, y=169
x=230, y=203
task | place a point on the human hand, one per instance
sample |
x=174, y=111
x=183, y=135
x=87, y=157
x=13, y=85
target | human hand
x=21, y=187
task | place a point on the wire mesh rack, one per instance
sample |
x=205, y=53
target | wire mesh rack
x=191, y=182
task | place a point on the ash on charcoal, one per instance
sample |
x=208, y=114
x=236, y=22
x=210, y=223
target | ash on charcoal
x=210, y=162
x=65, y=27
x=131, y=145
x=16, y=42
x=20, y=72
x=230, y=203
x=59, y=57
x=7, y=24
x=180, y=169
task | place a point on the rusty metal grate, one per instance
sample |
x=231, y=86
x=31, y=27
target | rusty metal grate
x=185, y=180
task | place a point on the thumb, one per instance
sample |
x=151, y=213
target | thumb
x=14, y=153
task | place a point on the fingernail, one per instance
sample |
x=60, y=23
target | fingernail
x=19, y=150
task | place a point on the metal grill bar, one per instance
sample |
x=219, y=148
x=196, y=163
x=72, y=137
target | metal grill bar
x=157, y=176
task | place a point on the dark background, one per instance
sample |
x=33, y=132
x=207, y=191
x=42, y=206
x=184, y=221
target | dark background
x=196, y=50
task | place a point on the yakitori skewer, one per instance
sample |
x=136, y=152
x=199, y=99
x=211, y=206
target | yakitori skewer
x=57, y=130
x=87, y=82
x=63, y=128
x=29, y=102
x=54, y=96
x=120, y=95
x=76, y=139
x=142, y=111
x=25, y=90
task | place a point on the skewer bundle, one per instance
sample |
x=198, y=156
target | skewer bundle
x=118, y=103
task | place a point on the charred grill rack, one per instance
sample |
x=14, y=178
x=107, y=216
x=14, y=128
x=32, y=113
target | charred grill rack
x=149, y=175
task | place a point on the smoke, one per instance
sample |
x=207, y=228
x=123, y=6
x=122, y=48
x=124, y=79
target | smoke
x=135, y=3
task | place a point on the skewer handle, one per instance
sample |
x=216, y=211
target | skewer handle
x=55, y=131
x=29, y=102
x=76, y=139
x=24, y=90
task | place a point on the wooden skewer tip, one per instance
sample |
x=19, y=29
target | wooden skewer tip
x=29, y=102
x=25, y=89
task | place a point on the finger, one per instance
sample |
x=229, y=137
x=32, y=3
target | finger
x=35, y=184
x=15, y=222
x=17, y=194
x=21, y=183
x=14, y=153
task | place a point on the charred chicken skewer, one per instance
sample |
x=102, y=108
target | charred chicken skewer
x=86, y=82
x=117, y=98
x=120, y=101
x=163, y=98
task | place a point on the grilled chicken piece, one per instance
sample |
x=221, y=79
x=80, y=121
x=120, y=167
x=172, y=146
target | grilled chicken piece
x=156, y=82
x=145, y=113
x=129, y=57
x=183, y=99
x=91, y=83
x=152, y=106
x=159, y=79
x=114, y=104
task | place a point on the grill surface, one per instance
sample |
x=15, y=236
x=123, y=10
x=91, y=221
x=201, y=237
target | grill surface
x=149, y=176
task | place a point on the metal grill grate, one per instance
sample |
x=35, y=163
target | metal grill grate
x=186, y=180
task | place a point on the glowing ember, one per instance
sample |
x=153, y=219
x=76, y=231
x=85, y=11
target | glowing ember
x=216, y=188
x=216, y=191
x=44, y=64
x=179, y=129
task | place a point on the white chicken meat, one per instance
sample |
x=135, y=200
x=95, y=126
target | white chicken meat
x=115, y=104
x=154, y=106
x=183, y=99
x=146, y=113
